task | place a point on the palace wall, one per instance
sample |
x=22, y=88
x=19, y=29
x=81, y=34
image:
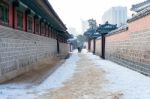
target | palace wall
x=64, y=49
x=130, y=48
x=19, y=50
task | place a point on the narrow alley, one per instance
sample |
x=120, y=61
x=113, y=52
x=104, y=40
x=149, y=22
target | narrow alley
x=82, y=76
x=74, y=49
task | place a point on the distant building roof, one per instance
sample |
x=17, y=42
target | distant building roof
x=142, y=9
x=140, y=6
x=139, y=15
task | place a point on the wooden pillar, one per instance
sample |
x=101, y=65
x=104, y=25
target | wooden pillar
x=12, y=15
x=89, y=45
x=45, y=33
x=15, y=20
x=33, y=24
x=40, y=27
x=49, y=31
x=52, y=33
x=94, y=45
x=57, y=38
x=103, y=47
x=70, y=47
x=25, y=16
x=44, y=29
x=25, y=23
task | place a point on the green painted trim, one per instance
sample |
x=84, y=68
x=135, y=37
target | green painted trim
x=5, y=12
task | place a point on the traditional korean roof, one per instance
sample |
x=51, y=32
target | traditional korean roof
x=102, y=29
x=106, y=28
x=142, y=9
x=92, y=33
x=141, y=6
x=140, y=14
x=44, y=9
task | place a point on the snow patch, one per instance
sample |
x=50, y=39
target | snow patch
x=61, y=74
x=56, y=80
x=133, y=84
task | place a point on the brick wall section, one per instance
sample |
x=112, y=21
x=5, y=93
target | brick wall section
x=131, y=48
x=19, y=49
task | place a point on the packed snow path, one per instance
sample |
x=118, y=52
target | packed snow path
x=87, y=82
x=85, y=76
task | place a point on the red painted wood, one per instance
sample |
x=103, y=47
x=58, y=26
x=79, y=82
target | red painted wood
x=25, y=18
x=40, y=31
x=15, y=19
x=94, y=43
x=48, y=31
x=12, y=15
x=44, y=29
x=89, y=45
x=33, y=25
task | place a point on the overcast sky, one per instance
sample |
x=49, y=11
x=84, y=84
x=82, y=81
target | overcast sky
x=72, y=11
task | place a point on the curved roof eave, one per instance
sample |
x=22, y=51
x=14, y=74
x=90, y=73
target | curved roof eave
x=54, y=13
x=55, y=21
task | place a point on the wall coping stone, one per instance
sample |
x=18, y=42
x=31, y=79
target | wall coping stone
x=139, y=15
x=119, y=30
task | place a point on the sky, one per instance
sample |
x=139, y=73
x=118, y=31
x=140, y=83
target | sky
x=71, y=12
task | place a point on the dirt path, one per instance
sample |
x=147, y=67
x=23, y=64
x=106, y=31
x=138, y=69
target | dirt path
x=88, y=82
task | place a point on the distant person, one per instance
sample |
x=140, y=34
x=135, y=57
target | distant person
x=79, y=49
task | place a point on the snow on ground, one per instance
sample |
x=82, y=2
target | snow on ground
x=133, y=84
x=63, y=73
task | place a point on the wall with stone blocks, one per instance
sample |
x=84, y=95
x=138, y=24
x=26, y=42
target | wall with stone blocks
x=64, y=48
x=131, y=48
x=18, y=50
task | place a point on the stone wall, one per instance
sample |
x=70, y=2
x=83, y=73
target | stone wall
x=64, y=48
x=131, y=48
x=133, y=52
x=18, y=50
